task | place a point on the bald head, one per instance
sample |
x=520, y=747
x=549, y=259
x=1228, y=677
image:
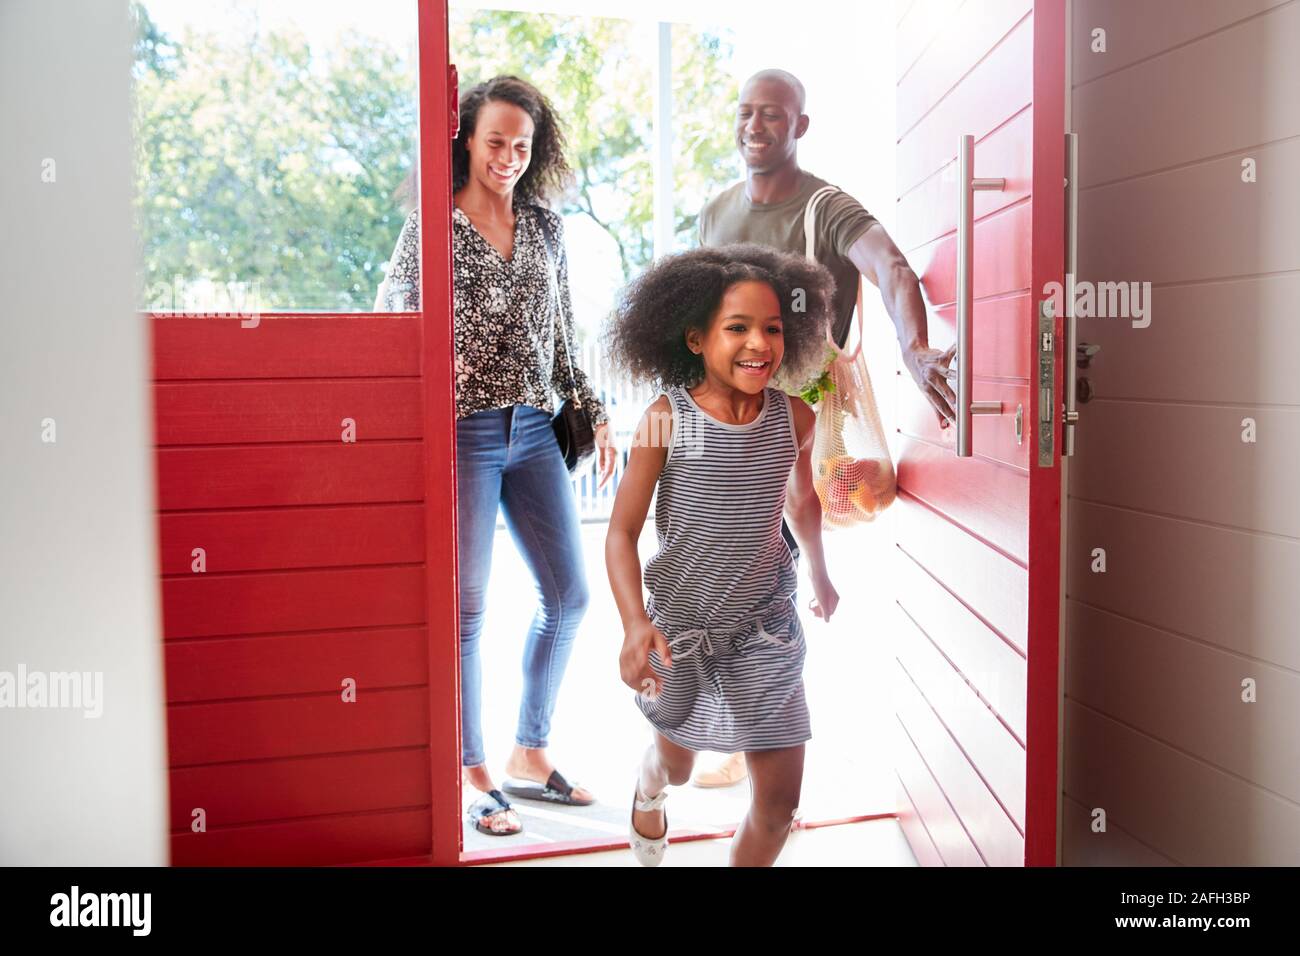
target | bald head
x=769, y=121
x=783, y=78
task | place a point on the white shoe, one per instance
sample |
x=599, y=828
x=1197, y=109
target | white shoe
x=648, y=851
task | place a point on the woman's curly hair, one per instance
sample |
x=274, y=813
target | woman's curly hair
x=547, y=175
x=646, y=334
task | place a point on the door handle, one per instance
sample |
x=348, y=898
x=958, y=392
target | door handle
x=966, y=186
x=453, y=107
x=1071, y=412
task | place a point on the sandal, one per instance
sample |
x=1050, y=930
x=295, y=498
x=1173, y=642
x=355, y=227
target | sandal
x=489, y=815
x=555, y=790
x=730, y=772
x=648, y=851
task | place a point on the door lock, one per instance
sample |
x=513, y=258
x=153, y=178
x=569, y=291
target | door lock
x=1046, y=383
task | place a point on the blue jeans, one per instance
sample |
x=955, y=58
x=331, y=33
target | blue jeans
x=509, y=457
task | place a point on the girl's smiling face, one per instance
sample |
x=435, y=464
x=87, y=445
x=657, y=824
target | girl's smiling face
x=743, y=345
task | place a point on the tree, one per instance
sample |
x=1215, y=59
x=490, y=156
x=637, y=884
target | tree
x=704, y=111
x=589, y=69
x=266, y=162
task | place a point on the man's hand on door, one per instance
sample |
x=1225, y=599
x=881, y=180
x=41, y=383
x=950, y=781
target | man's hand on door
x=929, y=369
x=877, y=258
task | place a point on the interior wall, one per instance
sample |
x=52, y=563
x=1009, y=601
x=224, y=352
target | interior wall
x=1182, y=658
x=78, y=561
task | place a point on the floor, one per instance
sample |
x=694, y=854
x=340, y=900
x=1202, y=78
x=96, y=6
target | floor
x=874, y=843
x=598, y=734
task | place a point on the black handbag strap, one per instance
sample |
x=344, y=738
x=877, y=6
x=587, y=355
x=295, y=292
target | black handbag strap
x=548, y=240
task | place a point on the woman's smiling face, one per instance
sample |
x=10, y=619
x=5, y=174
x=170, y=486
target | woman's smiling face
x=501, y=146
x=743, y=344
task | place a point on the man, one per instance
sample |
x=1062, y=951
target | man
x=768, y=208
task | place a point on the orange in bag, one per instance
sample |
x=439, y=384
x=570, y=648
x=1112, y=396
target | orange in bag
x=853, y=473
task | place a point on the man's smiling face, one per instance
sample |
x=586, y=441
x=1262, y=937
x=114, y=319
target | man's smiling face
x=768, y=124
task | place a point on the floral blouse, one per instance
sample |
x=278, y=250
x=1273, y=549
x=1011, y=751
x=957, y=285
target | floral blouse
x=506, y=325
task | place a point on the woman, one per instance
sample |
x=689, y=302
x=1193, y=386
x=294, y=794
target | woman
x=510, y=343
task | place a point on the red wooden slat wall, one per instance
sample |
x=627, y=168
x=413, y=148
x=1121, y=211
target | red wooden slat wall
x=315, y=573
x=978, y=580
x=317, y=564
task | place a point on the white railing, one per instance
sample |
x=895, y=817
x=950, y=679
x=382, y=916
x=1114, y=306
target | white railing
x=625, y=404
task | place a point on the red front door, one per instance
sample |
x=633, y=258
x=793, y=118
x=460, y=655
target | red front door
x=978, y=536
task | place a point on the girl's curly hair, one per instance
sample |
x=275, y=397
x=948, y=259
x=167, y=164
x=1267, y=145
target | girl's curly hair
x=646, y=334
x=547, y=174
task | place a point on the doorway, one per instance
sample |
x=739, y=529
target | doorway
x=598, y=734
x=972, y=621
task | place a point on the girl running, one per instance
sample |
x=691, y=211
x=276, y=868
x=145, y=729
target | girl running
x=716, y=653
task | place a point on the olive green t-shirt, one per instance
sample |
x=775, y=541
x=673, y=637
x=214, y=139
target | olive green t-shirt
x=731, y=217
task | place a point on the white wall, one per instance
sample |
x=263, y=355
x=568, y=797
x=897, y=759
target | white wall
x=1201, y=530
x=78, y=570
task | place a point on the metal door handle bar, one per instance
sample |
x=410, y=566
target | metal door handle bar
x=966, y=186
x=1071, y=413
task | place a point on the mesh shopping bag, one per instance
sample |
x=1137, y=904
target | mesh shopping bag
x=853, y=473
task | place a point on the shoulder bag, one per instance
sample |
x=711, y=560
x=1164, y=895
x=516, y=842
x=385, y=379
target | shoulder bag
x=572, y=423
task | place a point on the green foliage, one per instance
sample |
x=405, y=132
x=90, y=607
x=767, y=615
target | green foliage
x=268, y=163
x=264, y=161
x=704, y=110
x=600, y=90
x=816, y=390
x=154, y=52
x=600, y=84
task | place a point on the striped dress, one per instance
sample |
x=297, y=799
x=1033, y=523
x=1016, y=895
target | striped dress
x=722, y=584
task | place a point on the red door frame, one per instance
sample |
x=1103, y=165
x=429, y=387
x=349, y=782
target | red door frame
x=438, y=99
x=436, y=116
